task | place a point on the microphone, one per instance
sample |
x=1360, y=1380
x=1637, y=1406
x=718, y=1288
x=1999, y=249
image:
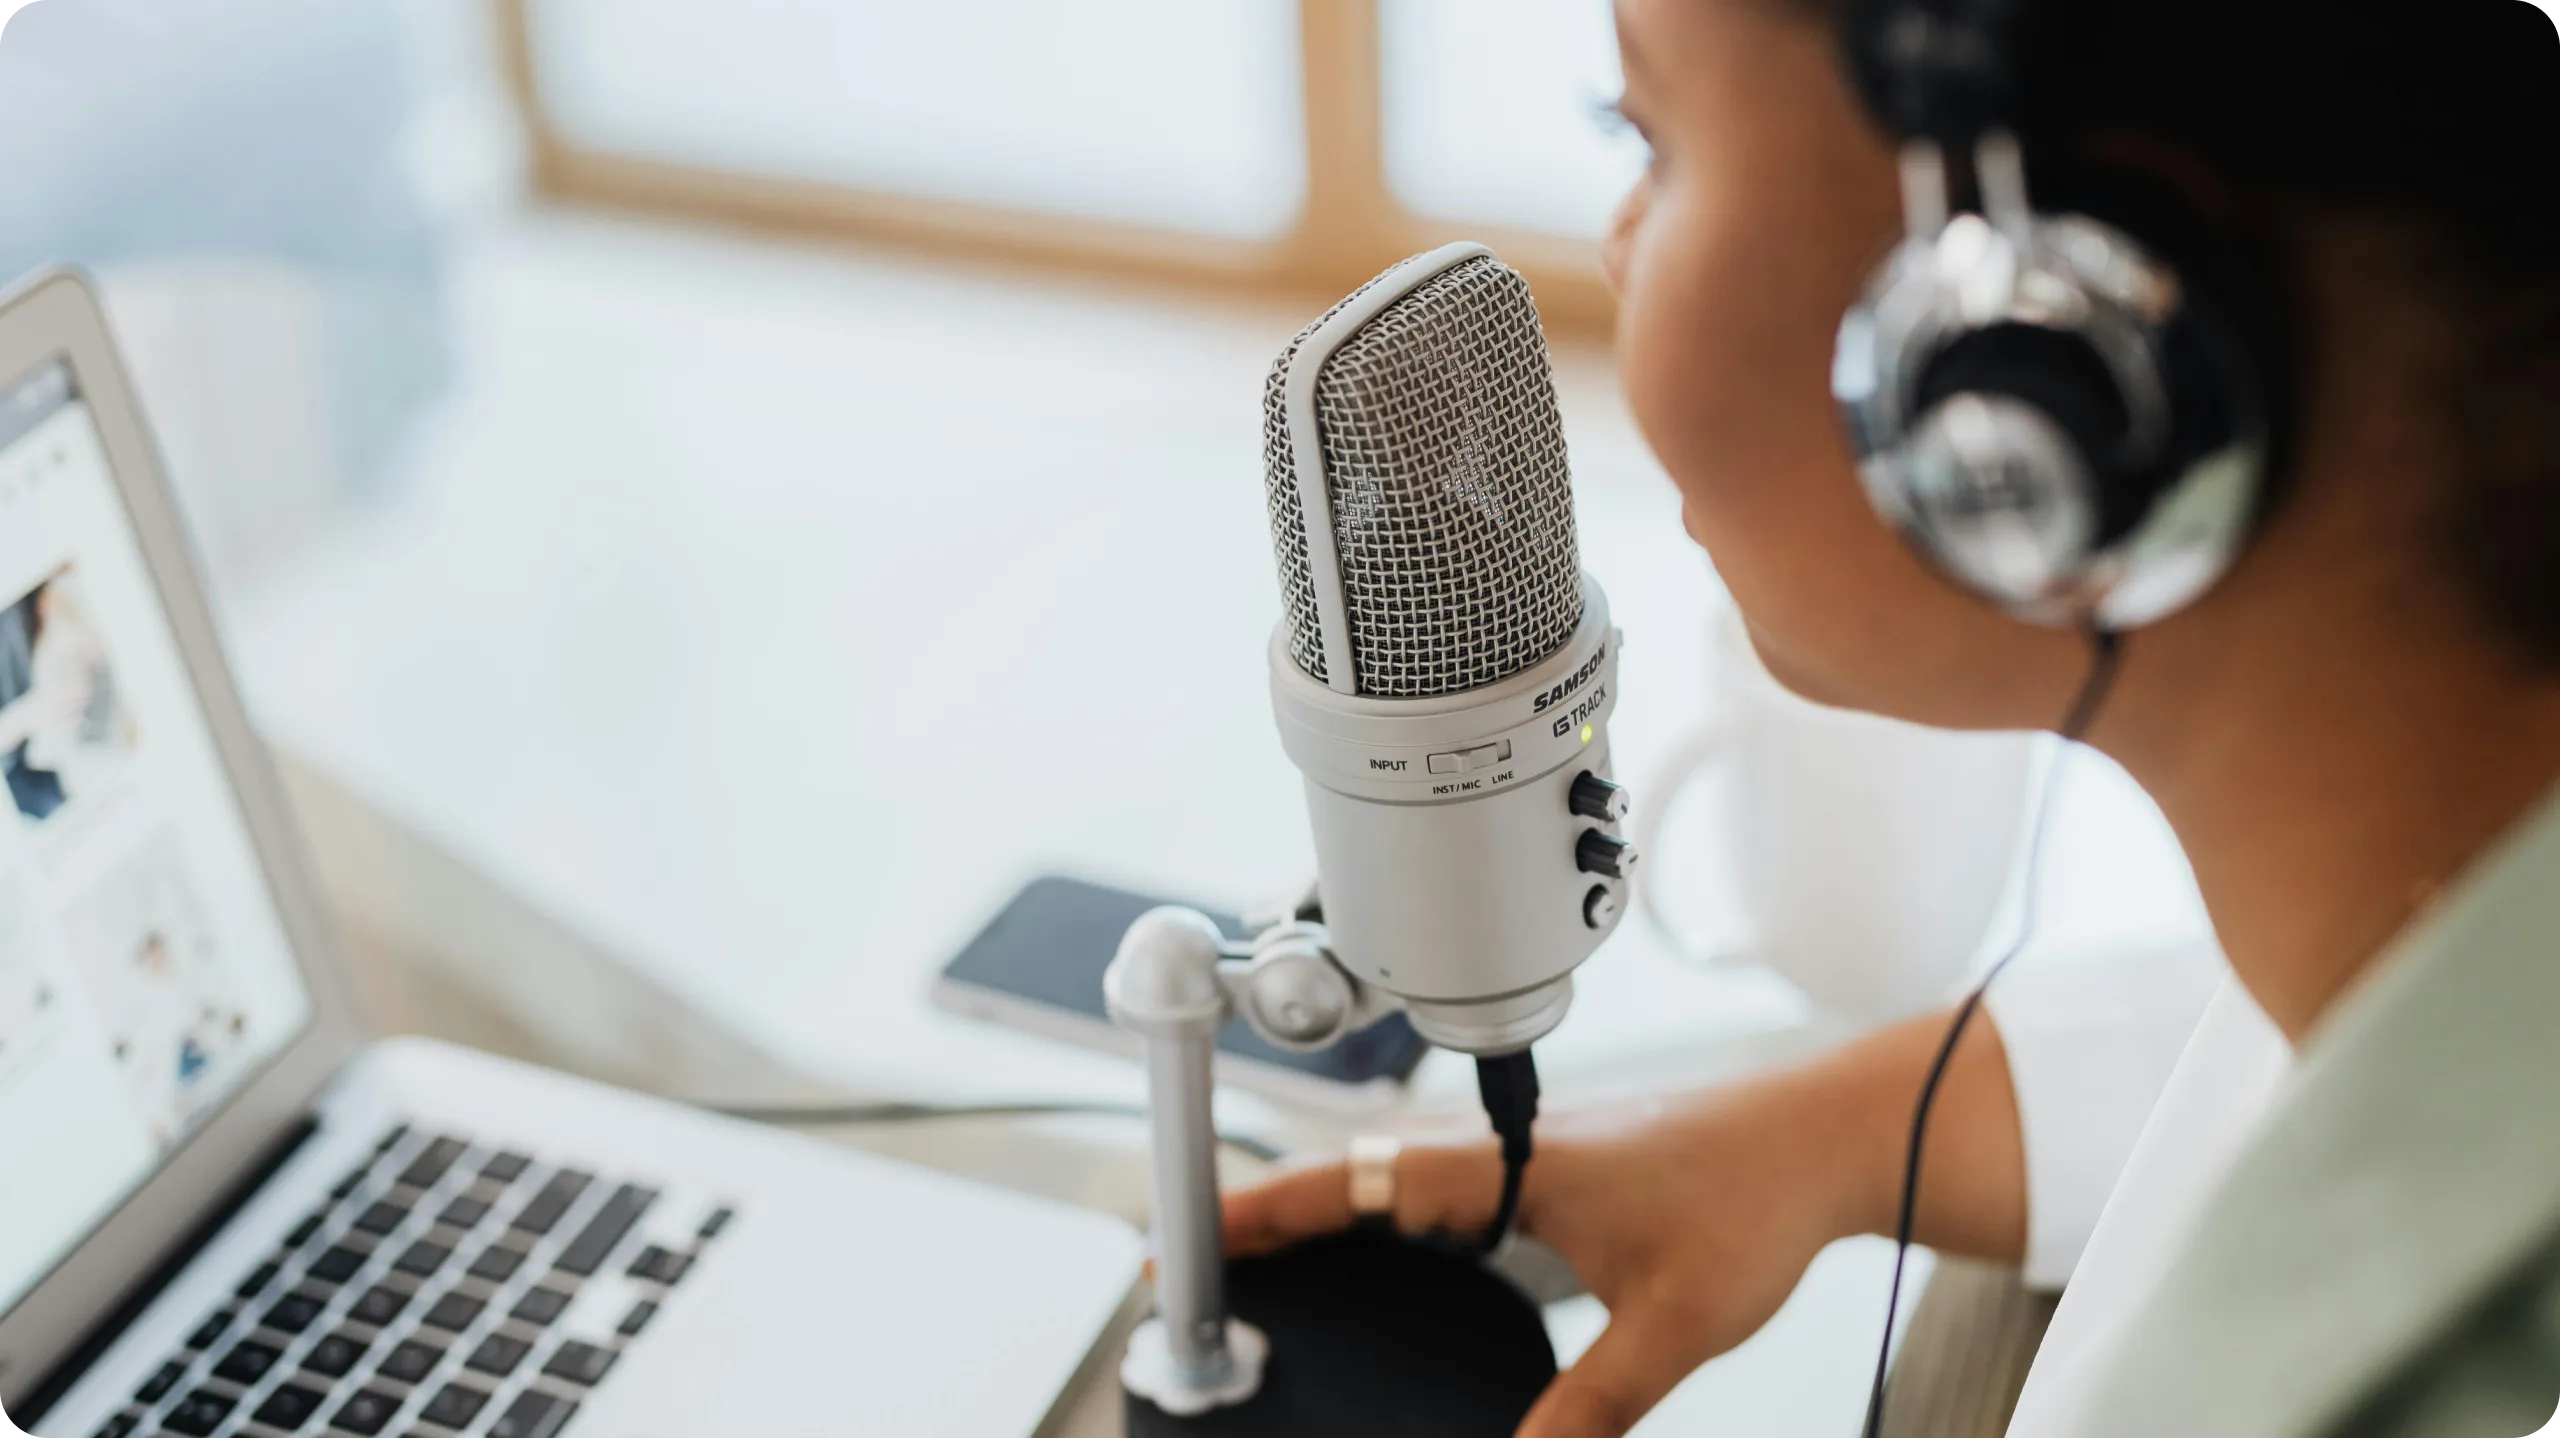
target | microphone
x=1445, y=671
x=1443, y=676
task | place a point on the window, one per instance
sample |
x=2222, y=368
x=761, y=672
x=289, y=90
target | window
x=1296, y=144
x=1166, y=113
x=1493, y=112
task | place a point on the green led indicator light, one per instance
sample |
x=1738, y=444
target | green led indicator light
x=1586, y=733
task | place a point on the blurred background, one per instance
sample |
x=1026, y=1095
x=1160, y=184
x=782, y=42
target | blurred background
x=709, y=496
x=591, y=413
x=222, y=165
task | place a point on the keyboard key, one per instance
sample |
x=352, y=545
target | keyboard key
x=381, y=1218
x=718, y=1220
x=389, y=1140
x=292, y=1313
x=638, y=1318
x=541, y=1305
x=496, y=1263
x=289, y=1407
x=337, y=1265
x=432, y=1161
x=534, y=1414
x=198, y=1413
x=211, y=1331
x=258, y=1279
x=157, y=1386
x=454, y=1405
x=353, y=1181
x=506, y=1167
x=120, y=1425
x=422, y=1258
x=581, y=1363
x=380, y=1304
x=302, y=1231
x=334, y=1355
x=366, y=1412
x=661, y=1265
x=604, y=1233
x=454, y=1311
x=498, y=1355
x=464, y=1212
x=542, y=1211
x=247, y=1362
x=411, y=1361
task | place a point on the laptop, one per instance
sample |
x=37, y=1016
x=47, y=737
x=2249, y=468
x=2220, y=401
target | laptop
x=224, y=1211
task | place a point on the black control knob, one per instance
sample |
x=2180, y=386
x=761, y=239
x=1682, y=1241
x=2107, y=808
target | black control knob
x=1605, y=854
x=1597, y=798
x=1600, y=907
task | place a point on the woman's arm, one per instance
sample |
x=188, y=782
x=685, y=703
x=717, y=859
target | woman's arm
x=1693, y=1219
x=1972, y=1198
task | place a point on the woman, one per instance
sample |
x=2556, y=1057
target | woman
x=2354, y=732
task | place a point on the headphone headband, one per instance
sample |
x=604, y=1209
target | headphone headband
x=1946, y=71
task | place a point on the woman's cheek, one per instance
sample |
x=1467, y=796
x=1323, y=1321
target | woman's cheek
x=1666, y=360
x=1725, y=360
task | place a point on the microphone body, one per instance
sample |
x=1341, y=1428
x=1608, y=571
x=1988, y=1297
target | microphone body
x=1459, y=888
x=1445, y=675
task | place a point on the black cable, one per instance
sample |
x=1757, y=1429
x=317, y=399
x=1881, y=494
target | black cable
x=2106, y=657
x=860, y=1115
x=1509, y=1085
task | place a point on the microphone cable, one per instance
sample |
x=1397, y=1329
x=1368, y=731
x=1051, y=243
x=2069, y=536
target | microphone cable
x=2106, y=658
x=1509, y=1086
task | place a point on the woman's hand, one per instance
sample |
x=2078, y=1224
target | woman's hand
x=1690, y=1224
x=1692, y=1221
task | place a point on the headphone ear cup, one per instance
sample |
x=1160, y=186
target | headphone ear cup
x=2227, y=355
x=2089, y=452
x=2054, y=371
x=1999, y=494
x=2022, y=433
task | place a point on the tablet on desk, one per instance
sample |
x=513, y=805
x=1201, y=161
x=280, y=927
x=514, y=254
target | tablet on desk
x=1037, y=966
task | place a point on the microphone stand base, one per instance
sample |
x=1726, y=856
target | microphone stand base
x=1374, y=1334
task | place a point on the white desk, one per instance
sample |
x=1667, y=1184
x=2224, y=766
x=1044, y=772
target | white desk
x=769, y=616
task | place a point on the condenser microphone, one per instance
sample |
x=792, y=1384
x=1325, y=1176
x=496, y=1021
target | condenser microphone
x=1444, y=674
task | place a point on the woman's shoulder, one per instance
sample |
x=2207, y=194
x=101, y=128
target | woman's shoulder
x=2399, y=1210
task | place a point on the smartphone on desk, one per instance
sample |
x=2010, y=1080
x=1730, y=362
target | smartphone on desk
x=1037, y=966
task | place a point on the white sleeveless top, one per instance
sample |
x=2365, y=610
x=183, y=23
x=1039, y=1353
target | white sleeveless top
x=2220, y=1089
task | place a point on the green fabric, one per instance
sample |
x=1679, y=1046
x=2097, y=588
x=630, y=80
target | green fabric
x=2384, y=1262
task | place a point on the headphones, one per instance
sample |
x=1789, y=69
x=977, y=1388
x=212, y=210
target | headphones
x=2072, y=417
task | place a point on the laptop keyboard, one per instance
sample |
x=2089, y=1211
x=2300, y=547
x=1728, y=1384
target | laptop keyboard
x=424, y=1300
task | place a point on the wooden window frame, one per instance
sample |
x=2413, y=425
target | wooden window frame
x=1351, y=225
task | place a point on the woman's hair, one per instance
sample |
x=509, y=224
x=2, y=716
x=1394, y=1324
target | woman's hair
x=2440, y=119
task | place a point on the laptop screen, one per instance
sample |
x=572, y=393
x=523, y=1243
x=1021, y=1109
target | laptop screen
x=145, y=972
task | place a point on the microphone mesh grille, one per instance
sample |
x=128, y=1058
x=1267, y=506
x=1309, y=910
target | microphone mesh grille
x=1444, y=458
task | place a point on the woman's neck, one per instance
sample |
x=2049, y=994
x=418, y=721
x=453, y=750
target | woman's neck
x=2330, y=769
x=2335, y=733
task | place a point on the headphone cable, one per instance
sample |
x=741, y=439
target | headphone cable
x=2106, y=658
